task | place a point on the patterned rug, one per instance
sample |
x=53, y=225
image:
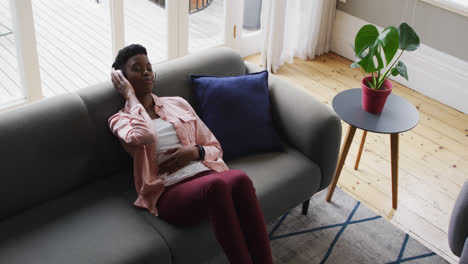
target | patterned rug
x=343, y=231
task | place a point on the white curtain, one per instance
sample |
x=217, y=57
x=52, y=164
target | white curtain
x=295, y=28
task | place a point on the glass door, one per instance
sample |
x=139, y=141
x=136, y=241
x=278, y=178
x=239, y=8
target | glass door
x=146, y=24
x=174, y=28
x=206, y=24
x=231, y=23
x=247, y=37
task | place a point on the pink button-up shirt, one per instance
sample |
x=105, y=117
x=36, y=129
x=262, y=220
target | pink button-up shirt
x=135, y=131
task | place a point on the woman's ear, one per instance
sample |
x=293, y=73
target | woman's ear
x=123, y=72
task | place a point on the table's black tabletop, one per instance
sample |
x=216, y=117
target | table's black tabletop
x=397, y=116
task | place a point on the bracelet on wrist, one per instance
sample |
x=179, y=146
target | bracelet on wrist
x=201, y=152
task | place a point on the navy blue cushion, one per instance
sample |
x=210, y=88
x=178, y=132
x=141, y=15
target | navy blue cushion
x=237, y=111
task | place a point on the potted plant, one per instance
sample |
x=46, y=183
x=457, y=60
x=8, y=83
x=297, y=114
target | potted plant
x=375, y=54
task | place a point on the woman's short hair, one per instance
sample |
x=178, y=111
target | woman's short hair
x=125, y=54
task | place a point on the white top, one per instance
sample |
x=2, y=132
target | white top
x=167, y=139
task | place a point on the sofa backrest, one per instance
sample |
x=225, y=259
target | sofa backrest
x=172, y=77
x=44, y=151
x=108, y=156
x=53, y=146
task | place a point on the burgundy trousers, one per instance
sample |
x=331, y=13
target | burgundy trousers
x=229, y=201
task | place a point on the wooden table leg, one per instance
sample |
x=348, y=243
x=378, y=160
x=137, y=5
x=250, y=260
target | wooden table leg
x=341, y=160
x=364, y=134
x=394, y=154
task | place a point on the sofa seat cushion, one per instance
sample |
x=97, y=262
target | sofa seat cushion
x=90, y=225
x=279, y=179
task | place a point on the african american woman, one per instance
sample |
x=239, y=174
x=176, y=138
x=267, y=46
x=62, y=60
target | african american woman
x=179, y=172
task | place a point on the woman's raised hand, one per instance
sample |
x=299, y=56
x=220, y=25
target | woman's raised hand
x=121, y=84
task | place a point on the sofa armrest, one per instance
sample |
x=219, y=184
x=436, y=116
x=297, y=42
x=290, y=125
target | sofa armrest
x=464, y=254
x=306, y=123
x=458, y=229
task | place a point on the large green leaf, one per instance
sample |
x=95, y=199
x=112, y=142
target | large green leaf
x=355, y=65
x=389, y=42
x=409, y=40
x=365, y=38
x=363, y=43
x=369, y=44
x=402, y=70
x=367, y=62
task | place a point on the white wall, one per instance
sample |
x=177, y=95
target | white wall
x=439, y=28
x=431, y=72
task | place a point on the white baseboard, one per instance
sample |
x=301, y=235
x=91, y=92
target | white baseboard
x=431, y=72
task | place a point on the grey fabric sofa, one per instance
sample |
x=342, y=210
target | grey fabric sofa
x=458, y=228
x=67, y=188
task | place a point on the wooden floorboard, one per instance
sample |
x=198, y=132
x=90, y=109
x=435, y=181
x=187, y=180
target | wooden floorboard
x=433, y=156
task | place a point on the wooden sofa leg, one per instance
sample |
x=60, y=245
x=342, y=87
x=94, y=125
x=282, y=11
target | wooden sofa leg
x=305, y=206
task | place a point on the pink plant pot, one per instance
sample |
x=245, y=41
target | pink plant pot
x=373, y=101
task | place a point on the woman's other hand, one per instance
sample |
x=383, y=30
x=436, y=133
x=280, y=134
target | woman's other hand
x=178, y=158
x=121, y=84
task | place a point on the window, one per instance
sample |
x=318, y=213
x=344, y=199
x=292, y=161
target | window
x=456, y=6
x=10, y=85
x=206, y=24
x=73, y=42
x=251, y=19
x=146, y=24
x=50, y=47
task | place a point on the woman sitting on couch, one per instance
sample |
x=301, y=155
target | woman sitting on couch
x=178, y=167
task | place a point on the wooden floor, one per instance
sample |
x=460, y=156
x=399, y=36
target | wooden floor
x=74, y=40
x=433, y=156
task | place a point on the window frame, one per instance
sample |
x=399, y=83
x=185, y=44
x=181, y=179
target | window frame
x=449, y=5
x=177, y=41
x=26, y=53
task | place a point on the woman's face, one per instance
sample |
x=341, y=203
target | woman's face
x=140, y=74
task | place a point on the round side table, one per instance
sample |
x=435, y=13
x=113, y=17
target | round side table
x=397, y=116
